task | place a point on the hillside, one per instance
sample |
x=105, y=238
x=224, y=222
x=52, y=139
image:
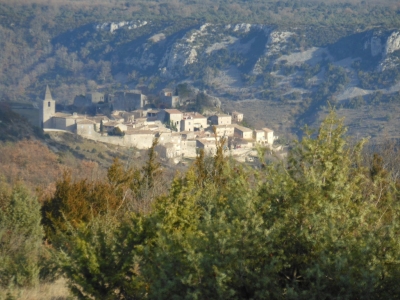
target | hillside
x=287, y=59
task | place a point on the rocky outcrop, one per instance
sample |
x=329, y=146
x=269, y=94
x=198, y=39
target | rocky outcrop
x=113, y=26
x=392, y=43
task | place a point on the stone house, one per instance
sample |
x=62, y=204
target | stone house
x=188, y=147
x=259, y=136
x=193, y=121
x=97, y=120
x=220, y=119
x=169, y=150
x=169, y=137
x=173, y=117
x=109, y=126
x=89, y=99
x=129, y=100
x=63, y=121
x=95, y=97
x=269, y=136
x=139, y=113
x=243, y=132
x=140, y=122
x=208, y=145
x=224, y=130
x=152, y=115
x=168, y=98
x=237, y=117
x=85, y=127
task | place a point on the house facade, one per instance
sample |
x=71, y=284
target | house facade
x=220, y=119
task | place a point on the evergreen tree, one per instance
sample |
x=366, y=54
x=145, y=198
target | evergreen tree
x=320, y=225
x=20, y=239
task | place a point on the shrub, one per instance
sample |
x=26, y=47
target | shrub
x=21, y=239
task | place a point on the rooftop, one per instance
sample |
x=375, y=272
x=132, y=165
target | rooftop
x=243, y=129
x=221, y=115
x=224, y=126
x=85, y=121
x=193, y=115
x=267, y=130
x=173, y=111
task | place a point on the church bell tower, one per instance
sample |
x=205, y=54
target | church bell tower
x=47, y=110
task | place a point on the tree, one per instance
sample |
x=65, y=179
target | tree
x=20, y=238
x=320, y=225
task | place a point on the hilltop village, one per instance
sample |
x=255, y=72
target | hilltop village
x=129, y=124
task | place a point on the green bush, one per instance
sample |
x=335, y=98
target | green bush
x=321, y=225
x=21, y=239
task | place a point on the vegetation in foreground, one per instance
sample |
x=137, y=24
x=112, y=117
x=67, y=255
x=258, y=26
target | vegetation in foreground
x=321, y=225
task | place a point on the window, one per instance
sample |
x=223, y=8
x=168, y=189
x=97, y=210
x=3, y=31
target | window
x=49, y=104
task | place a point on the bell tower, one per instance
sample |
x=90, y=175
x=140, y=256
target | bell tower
x=47, y=110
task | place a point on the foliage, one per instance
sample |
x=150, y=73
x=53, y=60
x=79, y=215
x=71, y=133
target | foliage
x=20, y=239
x=76, y=203
x=103, y=259
x=323, y=224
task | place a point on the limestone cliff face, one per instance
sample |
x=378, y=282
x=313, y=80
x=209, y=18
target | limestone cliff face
x=389, y=59
x=258, y=45
x=234, y=58
x=392, y=43
x=113, y=26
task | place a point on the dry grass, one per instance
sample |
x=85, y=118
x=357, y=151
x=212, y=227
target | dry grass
x=46, y=291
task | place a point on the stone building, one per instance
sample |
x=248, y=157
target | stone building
x=259, y=136
x=224, y=130
x=85, y=127
x=193, y=121
x=243, y=132
x=208, y=145
x=173, y=118
x=220, y=119
x=47, y=110
x=237, y=117
x=269, y=136
x=129, y=101
x=89, y=99
x=169, y=150
x=168, y=98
